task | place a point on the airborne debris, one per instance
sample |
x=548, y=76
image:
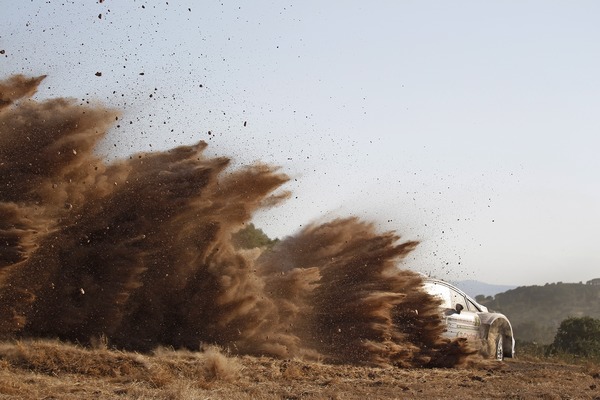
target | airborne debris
x=157, y=260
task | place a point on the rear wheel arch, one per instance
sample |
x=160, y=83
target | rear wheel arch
x=500, y=332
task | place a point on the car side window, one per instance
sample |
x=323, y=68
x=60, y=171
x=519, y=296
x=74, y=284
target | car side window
x=441, y=292
x=472, y=307
x=458, y=298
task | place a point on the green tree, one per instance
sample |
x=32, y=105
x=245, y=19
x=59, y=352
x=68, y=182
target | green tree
x=579, y=336
x=251, y=237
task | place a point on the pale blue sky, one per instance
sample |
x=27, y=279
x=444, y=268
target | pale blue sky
x=471, y=126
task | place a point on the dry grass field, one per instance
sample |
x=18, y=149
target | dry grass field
x=45, y=369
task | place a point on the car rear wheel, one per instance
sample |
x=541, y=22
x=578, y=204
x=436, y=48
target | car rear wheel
x=499, y=347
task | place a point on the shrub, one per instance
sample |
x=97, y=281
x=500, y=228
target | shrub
x=579, y=336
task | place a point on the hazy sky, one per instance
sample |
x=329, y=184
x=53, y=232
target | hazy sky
x=471, y=126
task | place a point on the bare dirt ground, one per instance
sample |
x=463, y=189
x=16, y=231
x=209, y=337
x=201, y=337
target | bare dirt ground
x=51, y=370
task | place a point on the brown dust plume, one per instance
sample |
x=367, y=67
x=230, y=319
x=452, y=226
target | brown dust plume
x=140, y=252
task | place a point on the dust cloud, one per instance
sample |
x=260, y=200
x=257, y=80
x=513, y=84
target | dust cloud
x=139, y=252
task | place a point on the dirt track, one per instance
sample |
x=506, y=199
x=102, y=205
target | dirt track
x=513, y=379
x=52, y=370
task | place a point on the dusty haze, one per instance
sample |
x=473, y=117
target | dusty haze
x=139, y=251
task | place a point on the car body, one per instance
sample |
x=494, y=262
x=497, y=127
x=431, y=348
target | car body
x=489, y=331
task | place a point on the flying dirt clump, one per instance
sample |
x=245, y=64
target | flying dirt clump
x=139, y=251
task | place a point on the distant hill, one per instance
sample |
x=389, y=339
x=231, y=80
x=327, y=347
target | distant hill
x=474, y=288
x=536, y=311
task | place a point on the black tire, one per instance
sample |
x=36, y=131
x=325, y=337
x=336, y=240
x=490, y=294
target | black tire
x=499, y=353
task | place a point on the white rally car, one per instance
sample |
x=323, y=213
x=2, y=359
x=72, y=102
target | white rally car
x=464, y=317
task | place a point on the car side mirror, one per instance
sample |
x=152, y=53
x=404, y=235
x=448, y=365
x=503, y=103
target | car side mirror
x=459, y=308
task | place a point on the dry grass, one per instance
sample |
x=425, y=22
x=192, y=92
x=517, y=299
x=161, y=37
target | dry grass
x=50, y=365
x=36, y=369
